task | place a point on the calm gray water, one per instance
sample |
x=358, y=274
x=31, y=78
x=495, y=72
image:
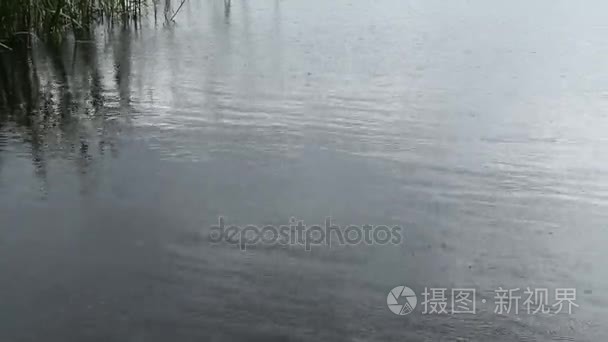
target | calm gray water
x=479, y=126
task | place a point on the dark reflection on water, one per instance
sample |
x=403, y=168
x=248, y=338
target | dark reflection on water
x=480, y=129
x=55, y=105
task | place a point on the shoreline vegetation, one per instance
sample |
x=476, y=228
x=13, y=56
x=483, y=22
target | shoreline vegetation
x=28, y=27
x=50, y=20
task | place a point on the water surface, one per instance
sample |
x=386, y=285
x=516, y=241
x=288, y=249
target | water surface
x=478, y=126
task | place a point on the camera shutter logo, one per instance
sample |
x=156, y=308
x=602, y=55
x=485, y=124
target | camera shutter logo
x=401, y=300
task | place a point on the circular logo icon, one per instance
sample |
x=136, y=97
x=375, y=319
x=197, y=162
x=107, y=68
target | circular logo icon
x=401, y=300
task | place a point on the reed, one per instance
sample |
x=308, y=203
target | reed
x=51, y=18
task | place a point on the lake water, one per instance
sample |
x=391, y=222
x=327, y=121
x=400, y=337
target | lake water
x=478, y=126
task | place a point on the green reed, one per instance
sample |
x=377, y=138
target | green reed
x=51, y=18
